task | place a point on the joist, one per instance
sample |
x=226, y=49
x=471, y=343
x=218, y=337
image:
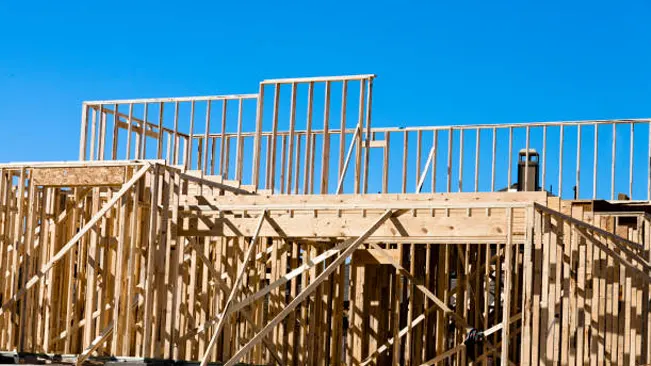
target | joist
x=465, y=199
x=470, y=228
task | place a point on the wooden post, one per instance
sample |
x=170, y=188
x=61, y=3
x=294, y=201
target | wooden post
x=325, y=150
x=359, y=130
x=223, y=161
x=83, y=138
x=257, y=143
x=395, y=310
x=271, y=174
x=308, y=163
x=292, y=126
x=528, y=288
x=506, y=309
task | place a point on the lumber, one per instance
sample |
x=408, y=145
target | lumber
x=160, y=244
x=490, y=228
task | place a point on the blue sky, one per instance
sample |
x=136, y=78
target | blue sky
x=461, y=63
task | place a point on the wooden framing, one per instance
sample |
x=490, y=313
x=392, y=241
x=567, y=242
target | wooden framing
x=290, y=147
x=192, y=256
x=441, y=264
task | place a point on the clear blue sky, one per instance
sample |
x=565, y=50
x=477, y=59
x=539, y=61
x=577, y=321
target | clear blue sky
x=470, y=62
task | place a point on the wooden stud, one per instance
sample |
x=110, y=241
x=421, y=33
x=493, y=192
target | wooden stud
x=506, y=309
x=385, y=168
x=83, y=138
x=223, y=162
x=176, y=149
x=449, y=171
x=257, y=143
x=114, y=143
x=510, y=168
x=493, y=161
x=188, y=145
x=395, y=309
x=544, y=157
x=477, y=142
x=595, y=159
x=292, y=128
x=460, y=187
x=142, y=144
x=358, y=141
x=369, y=102
x=612, y=163
x=405, y=155
x=308, y=163
x=325, y=150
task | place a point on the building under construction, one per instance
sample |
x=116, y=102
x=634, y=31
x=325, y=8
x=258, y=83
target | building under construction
x=283, y=227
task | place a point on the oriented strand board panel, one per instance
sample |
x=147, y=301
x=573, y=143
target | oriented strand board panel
x=79, y=176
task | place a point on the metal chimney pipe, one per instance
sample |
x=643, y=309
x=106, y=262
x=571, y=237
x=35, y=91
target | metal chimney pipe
x=528, y=170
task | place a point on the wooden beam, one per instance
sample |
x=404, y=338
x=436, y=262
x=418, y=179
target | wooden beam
x=77, y=164
x=319, y=79
x=207, y=210
x=491, y=227
x=506, y=308
x=456, y=198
